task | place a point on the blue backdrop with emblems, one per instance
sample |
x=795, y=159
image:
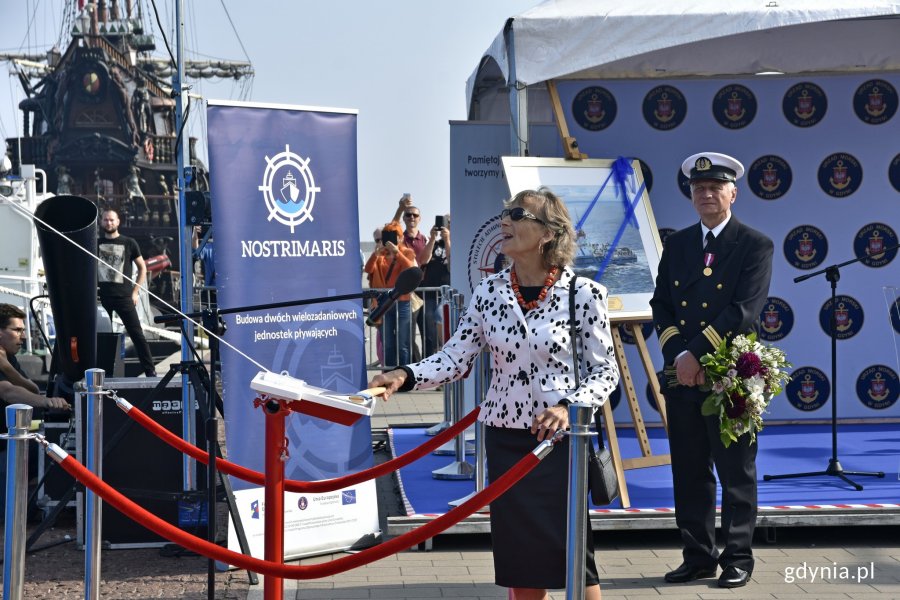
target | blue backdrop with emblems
x=823, y=181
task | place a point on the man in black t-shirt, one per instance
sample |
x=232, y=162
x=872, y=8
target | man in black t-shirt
x=119, y=290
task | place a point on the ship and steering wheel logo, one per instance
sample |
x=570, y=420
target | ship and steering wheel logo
x=289, y=188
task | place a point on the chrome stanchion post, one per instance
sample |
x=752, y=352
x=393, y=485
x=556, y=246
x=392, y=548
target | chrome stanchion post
x=93, y=505
x=459, y=468
x=447, y=326
x=481, y=384
x=580, y=416
x=18, y=420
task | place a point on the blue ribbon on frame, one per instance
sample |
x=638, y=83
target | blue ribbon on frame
x=623, y=173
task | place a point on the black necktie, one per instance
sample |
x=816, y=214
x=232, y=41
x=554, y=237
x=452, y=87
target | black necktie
x=709, y=239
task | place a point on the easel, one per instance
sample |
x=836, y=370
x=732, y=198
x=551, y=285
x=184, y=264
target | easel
x=647, y=458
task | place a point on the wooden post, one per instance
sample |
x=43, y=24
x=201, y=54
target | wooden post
x=570, y=144
x=647, y=458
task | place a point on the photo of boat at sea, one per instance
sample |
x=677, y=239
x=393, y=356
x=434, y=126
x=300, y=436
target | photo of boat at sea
x=627, y=270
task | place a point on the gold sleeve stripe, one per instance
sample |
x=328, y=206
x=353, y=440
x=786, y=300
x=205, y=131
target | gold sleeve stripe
x=668, y=334
x=714, y=338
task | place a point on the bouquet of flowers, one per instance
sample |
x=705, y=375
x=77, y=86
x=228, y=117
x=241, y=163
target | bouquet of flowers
x=742, y=378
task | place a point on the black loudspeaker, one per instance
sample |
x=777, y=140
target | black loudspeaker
x=109, y=354
x=63, y=224
x=144, y=468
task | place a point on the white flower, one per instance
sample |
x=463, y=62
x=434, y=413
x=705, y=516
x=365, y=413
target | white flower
x=718, y=386
x=755, y=385
x=732, y=373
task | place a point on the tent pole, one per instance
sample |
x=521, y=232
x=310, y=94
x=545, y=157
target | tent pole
x=518, y=99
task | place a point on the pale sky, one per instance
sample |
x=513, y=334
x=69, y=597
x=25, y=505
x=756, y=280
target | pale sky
x=402, y=64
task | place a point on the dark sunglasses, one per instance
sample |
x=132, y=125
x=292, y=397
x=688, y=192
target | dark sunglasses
x=518, y=213
x=411, y=215
x=377, y=240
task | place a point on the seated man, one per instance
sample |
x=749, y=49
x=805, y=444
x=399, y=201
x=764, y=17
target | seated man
x=13, y=394
x=12, y=337
x=15, y=387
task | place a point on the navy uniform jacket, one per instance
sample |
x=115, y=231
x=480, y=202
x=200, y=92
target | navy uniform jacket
x=692, y=311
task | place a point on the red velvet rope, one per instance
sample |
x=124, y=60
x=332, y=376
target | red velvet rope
x=137, y=514
x=325, y=485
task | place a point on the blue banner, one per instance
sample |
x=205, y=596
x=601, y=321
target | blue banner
x=285, y=223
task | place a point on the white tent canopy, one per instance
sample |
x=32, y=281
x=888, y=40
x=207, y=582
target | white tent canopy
x=606, y=39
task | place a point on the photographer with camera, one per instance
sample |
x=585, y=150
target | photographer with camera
x=410, y=216
x=435, y=260
x=385, y=265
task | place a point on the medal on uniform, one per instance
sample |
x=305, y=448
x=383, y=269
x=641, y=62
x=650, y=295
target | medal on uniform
x=708, y=259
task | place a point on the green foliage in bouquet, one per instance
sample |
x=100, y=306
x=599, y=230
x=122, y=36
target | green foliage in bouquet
x=742, y=377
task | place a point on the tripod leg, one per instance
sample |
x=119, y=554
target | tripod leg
x=791, y=475
x=200, y=388
x=847, y=480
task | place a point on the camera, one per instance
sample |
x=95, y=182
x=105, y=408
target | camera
x=440, y=222
x=388, y=236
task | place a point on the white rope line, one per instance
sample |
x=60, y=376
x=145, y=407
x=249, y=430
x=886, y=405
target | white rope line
x=32, y=216
x=20, y=294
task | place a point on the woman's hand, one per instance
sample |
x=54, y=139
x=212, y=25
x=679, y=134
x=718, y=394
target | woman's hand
x=546, y=424
x=390, y=381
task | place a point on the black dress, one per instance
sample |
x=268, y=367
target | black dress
x=528, y=522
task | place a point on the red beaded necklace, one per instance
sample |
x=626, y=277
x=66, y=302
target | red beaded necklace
x=526, y=306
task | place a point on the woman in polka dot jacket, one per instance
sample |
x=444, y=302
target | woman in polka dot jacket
x=521, y=315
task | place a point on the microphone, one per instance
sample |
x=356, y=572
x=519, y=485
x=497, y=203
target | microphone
x=407, y=281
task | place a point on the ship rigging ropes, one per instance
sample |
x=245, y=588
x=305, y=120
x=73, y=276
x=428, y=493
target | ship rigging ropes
x=273, y=569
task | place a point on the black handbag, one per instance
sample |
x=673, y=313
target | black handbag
x=602, y=480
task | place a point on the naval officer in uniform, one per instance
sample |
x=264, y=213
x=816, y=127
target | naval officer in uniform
x=712, y=283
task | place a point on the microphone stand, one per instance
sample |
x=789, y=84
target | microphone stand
x=834, y=469
x=211, y=319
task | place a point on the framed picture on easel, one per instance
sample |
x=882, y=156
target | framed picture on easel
x=618, y=243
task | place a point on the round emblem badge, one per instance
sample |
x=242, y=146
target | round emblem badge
x=625, y=332
x=894, y=172
x=684, y=184
x=877, y=387
x=664, y=107
x=289, y=200
x=485, y=257
x=647, y=174
x=808, y=389
x=805, y=247
x=302, y=503
x=804, y=104
x=664, y=234
x=875, y=102
x=840, y=175
x=848, y=317
x=734, y=106
x=594, y=108
x=776, y=320
x=870, y=243
x=769, y=177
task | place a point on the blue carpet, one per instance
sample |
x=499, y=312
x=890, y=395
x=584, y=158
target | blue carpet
x=782, y=449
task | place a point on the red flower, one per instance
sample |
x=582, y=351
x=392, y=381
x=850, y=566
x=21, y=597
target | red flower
x=736, y=405
x=748, y=365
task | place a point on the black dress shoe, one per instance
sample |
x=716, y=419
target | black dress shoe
x=687, y=572
x=733, y=577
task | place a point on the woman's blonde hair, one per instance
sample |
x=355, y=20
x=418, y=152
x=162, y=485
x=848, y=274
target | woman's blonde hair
x=550, y=209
